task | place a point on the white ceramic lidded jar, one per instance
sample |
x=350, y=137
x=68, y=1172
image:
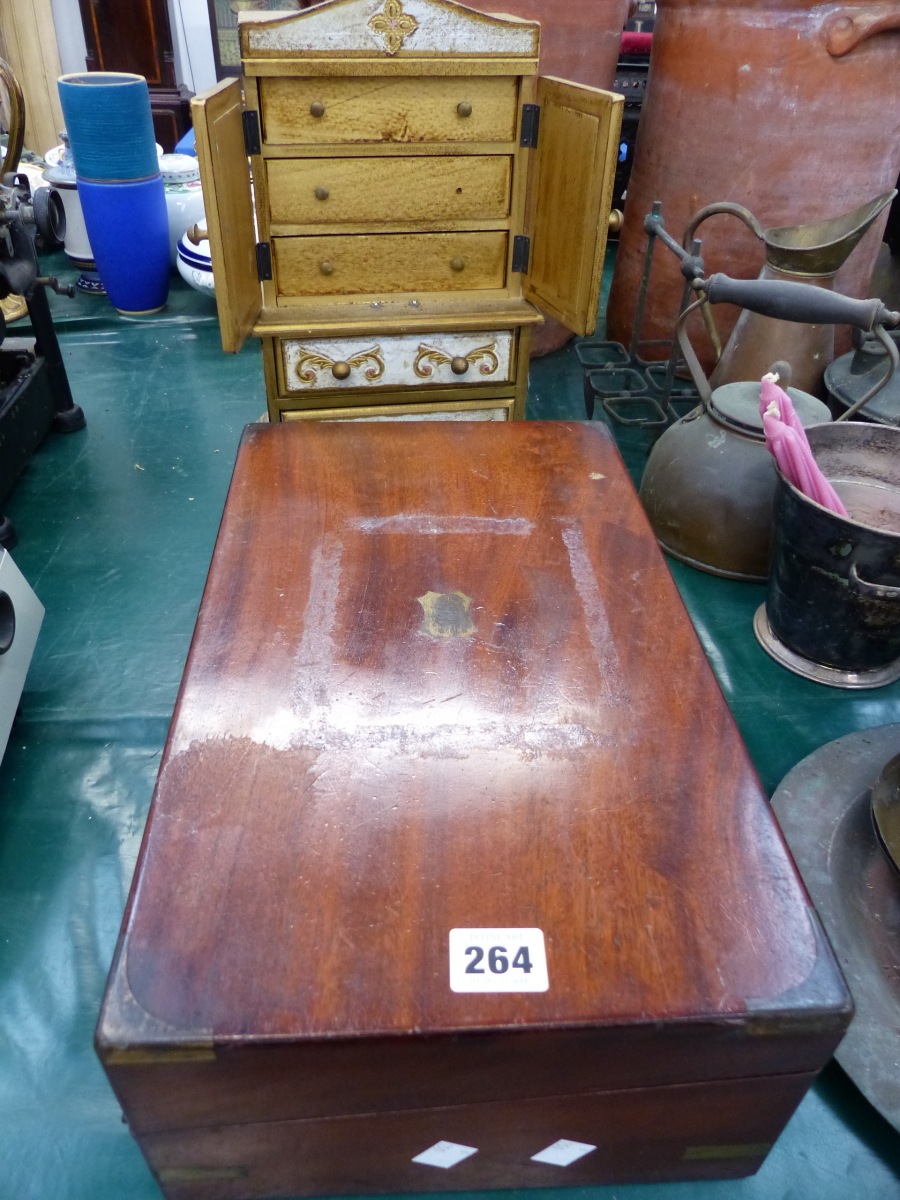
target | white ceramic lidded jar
x=60, y=174
x=184, y=196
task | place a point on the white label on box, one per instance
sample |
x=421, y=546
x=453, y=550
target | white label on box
x=445, y=1154
x=498, y=960
x=563, y=1152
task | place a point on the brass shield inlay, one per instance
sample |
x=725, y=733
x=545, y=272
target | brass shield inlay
x=446, y=615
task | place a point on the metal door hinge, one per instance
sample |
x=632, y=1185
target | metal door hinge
x=168, y=56
x=521, y=253
x=531, y=119
x=264, y=260
x=250, y=117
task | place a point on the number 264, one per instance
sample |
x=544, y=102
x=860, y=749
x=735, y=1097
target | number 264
x=498, y=960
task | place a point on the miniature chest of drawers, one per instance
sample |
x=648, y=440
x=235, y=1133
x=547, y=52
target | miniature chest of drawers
x=416, y=191
x=457, y=875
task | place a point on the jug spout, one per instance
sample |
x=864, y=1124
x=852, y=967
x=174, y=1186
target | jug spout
x=823, y=247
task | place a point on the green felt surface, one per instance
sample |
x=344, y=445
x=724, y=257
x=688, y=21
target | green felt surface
x=117, y=525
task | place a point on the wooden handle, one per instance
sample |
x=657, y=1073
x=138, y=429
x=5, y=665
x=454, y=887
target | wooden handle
x=196, y=235
x=847, y=30
x=802, y=302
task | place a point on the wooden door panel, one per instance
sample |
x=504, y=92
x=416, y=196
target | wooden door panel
x=225, y=175
x=570, y=199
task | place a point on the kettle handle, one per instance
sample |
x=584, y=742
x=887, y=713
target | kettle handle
x=786, y=301
x=845, y=31
x=801, y=302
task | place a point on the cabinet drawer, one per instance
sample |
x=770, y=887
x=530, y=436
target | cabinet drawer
x=411, y=360
x=387, y=110
x=494, y=410
x=307, y=191
x=343, y=264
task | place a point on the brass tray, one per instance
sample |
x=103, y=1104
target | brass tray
x=824, y=807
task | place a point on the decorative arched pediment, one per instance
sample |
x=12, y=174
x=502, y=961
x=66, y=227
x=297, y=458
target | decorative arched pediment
x=390, y=27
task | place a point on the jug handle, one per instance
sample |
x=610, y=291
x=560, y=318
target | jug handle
x=844, y=32
x=871, y=591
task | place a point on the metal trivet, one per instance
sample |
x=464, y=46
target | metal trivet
x=625, y=382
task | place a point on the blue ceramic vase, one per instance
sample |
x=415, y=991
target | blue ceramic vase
x=122, y=194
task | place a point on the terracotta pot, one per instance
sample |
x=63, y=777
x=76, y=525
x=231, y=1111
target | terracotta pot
x=580, y=39
x=788, y=107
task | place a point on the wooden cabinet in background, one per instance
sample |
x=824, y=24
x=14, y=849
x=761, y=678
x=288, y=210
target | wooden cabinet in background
x=417, y=192
x=137, y=37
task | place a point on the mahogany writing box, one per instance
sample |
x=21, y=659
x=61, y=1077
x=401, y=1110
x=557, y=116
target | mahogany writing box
x=458, y=874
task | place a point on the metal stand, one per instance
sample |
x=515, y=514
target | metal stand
x=621, y=379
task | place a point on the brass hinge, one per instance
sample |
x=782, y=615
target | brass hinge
x=531, y=119
x=264, y=260
x=521, y=253
x=250, y=118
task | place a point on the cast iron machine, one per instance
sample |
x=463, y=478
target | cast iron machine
x=35, y=396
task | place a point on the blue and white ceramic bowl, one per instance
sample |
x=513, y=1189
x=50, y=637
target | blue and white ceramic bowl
x=195, y=265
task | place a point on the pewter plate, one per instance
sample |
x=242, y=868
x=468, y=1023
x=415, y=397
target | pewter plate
x=824, y=808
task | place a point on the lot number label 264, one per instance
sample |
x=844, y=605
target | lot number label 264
x=498, y=960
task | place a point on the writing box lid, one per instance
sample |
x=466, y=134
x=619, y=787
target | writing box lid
x=442, y=680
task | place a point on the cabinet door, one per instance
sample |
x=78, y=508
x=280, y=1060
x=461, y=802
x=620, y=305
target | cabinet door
x=225, y=175
x=570, y=195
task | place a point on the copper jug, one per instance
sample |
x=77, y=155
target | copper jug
x=806, y=254
x=789, y=106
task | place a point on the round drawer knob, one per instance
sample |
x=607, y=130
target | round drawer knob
x=340, y=370
x=458, y=264
x=317, y=109
x=459, y=365
x=326, y=268
x=321, y=193
x=464, y=108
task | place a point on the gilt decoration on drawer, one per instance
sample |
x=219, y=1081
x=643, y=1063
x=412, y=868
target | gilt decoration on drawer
x=309, y=363
x=394, y=25
x=458, y=364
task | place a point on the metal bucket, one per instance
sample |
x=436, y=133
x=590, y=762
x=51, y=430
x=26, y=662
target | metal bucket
x=832, y=610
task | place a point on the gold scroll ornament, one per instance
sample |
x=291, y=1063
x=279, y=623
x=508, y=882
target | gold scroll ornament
x=308, y=364
x=430, y=354
x=394, y=25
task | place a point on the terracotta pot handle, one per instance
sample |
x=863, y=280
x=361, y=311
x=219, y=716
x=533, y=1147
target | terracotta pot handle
x=844, y=32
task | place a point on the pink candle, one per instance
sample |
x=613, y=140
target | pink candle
x=788, y=444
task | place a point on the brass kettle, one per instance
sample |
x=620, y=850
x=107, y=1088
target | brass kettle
x=709, y=484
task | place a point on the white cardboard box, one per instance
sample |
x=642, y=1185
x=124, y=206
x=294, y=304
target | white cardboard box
x=21, y=614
